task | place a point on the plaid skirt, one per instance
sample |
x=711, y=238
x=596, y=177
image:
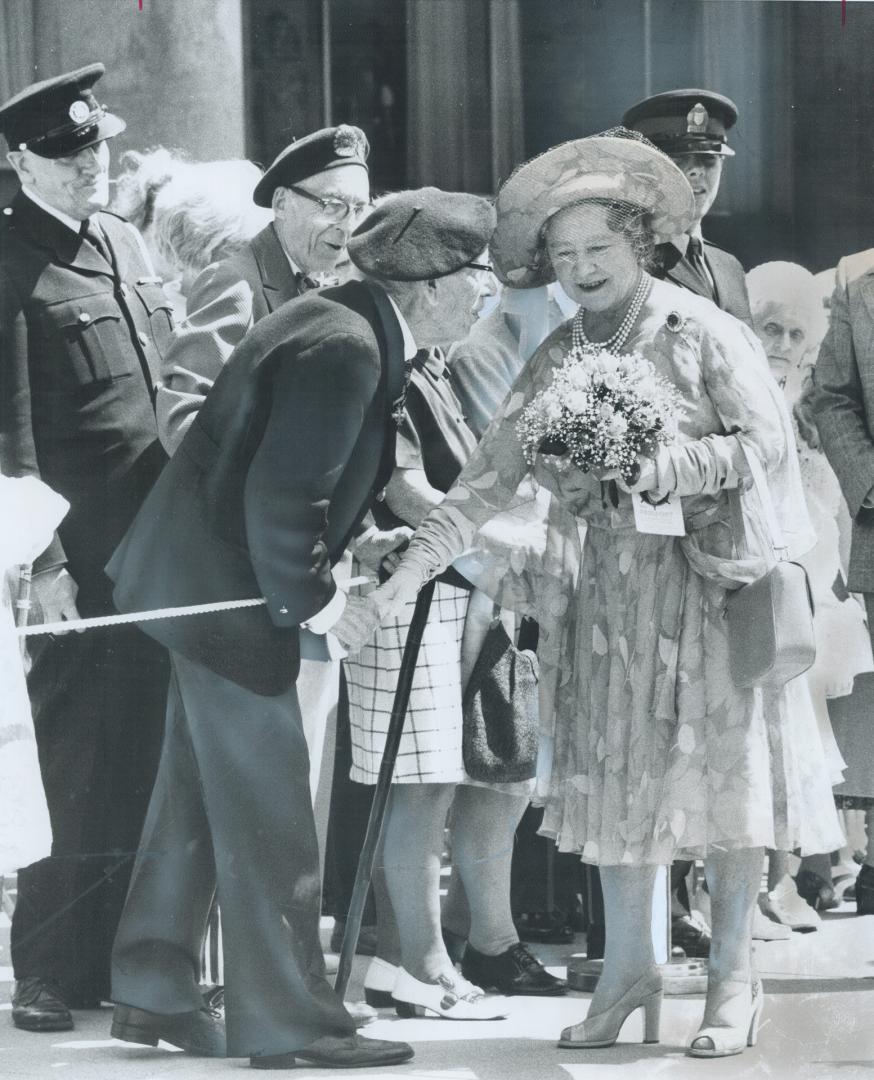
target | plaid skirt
x=430, y=748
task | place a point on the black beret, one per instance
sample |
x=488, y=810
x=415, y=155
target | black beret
x=423, y=234
x=59, y=116
x=685, y=121
x=328, y=148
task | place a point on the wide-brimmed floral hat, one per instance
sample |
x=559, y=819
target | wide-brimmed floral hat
x=617, y=166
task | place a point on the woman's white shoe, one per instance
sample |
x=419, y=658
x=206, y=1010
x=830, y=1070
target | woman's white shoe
x=712, y=1042
x=452, y=997
x=602, y=1029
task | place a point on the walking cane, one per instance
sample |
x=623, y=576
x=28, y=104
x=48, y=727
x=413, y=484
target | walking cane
x=383, y=788
x=22, y=601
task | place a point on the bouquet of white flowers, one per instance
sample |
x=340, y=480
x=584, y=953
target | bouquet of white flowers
x=603, y=410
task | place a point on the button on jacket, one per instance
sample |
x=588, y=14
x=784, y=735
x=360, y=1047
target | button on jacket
x=81, y=343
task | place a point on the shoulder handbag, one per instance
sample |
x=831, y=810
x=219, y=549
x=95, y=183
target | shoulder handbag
x=500, y=711
x=770, y=621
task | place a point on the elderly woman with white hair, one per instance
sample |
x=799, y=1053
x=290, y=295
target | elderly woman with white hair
x=790, y=318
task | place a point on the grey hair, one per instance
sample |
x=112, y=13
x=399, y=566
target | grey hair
x=632, y=222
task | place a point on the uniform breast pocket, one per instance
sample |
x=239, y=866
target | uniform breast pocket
x=92, y=337
x=160, y=312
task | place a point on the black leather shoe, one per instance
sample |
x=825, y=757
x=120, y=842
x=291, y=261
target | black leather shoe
x=200, y=1032
x=818, y=892
x=865, y=891
x=690, y=934
x=37, y=1005
x=339, y=1052
x=366, y=939
x=515, y=971
x=551, y=928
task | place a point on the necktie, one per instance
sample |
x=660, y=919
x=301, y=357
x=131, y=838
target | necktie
x=95, y=238
x=695, y=258
x=305, y=282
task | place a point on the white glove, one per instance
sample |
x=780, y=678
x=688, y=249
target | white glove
x=53, y=597
x=374, y=548
x=358, y=623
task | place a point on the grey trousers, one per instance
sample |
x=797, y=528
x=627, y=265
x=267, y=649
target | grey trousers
x=231, y=808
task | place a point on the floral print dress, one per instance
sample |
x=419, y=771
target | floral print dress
x=656, y=754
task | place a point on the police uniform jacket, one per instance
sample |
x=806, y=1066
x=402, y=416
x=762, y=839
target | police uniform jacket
x=80, y=350
x=271, y=479
x=226, y=300
x=727, y=272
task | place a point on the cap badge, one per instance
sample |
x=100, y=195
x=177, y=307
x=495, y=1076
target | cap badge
x=79, y=112
x=348, y=142
x=697, y=120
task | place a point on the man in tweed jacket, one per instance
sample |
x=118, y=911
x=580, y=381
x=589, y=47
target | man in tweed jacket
x=844, y=408
x=317, y=188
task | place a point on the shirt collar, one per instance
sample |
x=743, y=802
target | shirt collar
x=70, y=222
x=410, y=347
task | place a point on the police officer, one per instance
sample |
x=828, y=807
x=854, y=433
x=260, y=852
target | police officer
x=691, y=127
x=83, y=324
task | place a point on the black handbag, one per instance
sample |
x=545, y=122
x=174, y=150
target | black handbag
x=500, y=711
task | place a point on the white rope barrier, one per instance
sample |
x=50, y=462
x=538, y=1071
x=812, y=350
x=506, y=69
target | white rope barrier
x=68, y=625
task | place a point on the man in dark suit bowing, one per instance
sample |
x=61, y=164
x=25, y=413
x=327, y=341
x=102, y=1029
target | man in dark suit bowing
x=83, y=325
x=691, y=127
x=272, y=479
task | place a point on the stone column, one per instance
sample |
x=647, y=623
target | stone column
x=174, y=71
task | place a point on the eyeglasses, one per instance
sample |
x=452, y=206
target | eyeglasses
x=333, y=207
x=485, y=267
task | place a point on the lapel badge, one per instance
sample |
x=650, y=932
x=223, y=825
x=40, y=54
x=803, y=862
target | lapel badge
x=697, y=120
x=79, y=112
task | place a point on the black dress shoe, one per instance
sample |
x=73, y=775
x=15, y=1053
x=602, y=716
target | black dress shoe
x=865, y=891
x=548, y=928
x=37, y=1005
x=818, y=892
x=339, y=1052
x=515, y=971
x=690, y=934
x=366, y=939
x=200, y=1032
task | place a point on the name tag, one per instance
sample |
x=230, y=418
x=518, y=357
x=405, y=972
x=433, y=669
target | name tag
x=663, y=519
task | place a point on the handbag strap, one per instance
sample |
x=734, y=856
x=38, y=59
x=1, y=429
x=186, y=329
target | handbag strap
x=760, y=481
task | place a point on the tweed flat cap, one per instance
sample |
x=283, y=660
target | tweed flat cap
x=328, y=148
x=59, y=116
x=422, y=234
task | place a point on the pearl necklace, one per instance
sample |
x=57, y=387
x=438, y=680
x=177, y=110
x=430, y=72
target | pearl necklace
x=581, y=343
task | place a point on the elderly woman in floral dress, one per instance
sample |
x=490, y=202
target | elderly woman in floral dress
x=658, y=754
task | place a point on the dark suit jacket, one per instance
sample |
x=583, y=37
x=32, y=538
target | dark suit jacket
x=843, y=403
x=727, y=273
x=276, y=471
x=225, y=302
x=80, y=349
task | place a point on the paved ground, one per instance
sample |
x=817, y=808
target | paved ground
x=818, y=1025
